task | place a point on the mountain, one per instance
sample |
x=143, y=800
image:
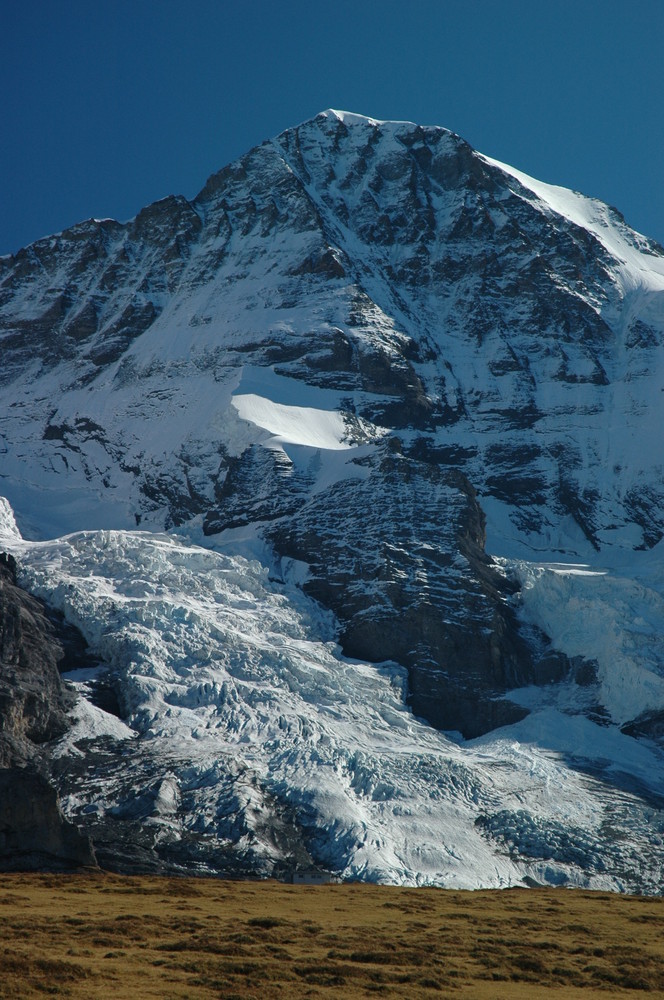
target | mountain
x=352, y=475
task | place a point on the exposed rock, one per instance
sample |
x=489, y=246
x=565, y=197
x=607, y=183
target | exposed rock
x=650, y=725
x=34, y=833
x=34, y=644
x=395, y=556
x=33, y=699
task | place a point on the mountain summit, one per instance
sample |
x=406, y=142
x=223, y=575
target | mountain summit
x=370, y=387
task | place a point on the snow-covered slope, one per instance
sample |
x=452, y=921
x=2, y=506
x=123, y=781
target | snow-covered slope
x=361, y=363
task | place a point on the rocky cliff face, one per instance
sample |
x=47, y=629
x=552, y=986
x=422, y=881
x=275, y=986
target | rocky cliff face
x=398, y=593
x=361, y=351
x=33, y=700
x=34, y=644
x=34, y=834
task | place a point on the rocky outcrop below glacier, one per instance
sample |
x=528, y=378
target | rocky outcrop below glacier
x=34, y=833
x=407, y=550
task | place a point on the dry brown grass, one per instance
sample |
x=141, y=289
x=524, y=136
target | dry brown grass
x=106, y=936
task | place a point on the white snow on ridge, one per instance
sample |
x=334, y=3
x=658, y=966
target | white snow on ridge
x=351, y=118
x=644, y=269
x=8, y=528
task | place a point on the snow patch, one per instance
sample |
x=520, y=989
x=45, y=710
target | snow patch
x=605, y=615
x=8, y=526
x=299, y=425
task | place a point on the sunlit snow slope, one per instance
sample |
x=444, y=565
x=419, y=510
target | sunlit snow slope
x=350, y=472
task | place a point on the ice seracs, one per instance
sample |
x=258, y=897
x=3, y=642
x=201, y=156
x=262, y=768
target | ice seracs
x=219, y=665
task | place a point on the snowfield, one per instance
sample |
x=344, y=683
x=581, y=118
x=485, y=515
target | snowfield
x=614, y=617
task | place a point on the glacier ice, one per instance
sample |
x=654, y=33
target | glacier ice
x=221, y=667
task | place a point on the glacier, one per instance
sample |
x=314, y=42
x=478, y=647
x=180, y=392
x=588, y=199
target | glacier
x=225, y=668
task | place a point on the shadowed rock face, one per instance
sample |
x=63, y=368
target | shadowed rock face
x=33, y=699
x=34, y=833
x=34, y=702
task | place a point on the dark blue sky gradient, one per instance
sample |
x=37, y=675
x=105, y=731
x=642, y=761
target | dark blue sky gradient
x=107, y=105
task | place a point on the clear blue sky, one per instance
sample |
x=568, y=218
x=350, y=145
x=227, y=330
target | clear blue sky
x=107, y=105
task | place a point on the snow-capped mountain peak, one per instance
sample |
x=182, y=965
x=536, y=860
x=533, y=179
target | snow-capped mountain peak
x=370, y=387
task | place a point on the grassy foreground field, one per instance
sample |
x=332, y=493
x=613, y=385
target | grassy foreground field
x=106, y=936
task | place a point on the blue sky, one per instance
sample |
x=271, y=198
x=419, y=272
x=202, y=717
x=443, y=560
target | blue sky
x=108, y=105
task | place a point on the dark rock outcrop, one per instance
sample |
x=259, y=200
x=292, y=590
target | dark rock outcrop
x=34, y=833
x=33, y=699
x=399, y=557
x=34, y=645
